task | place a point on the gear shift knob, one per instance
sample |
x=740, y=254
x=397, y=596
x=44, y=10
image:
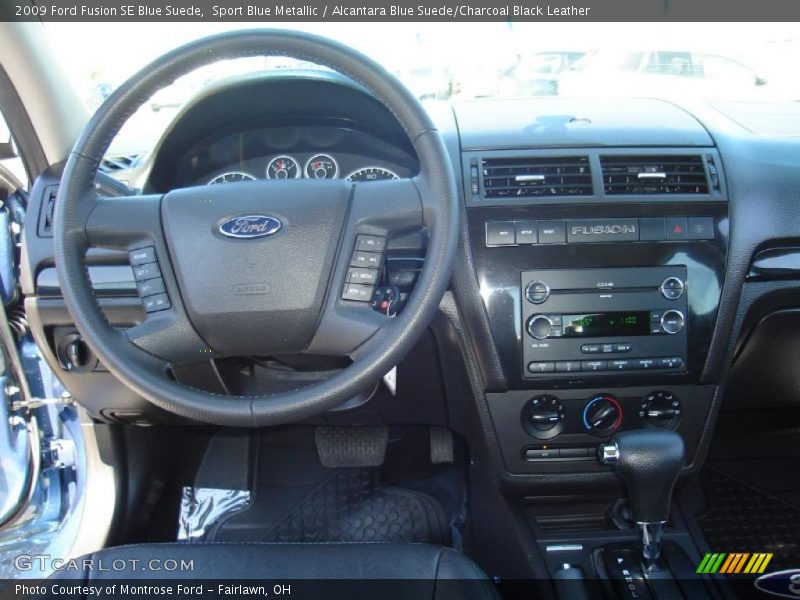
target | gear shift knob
x=648, y=461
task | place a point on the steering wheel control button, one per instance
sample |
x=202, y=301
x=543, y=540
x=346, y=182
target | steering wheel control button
x=370, y=243
x=672, y=321
x=660, y=409
x=672, y=288
x=543, y=416
x=500, y=233
x=148, y=271
x=540, y=326
x=156, y=303
x=537, y=292
x=150, y=287
x=357, y=292
x=552, y=232
x=372, y=260
x=362, y=276
x=527, y=232
x=602, y=415
x=142, y=256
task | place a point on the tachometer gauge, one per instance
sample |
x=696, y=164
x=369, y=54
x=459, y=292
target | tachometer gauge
x=322, y=166
x=232, y=177
x=372, y=174
x=283, y=167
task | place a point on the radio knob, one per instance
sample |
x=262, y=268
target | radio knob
x=672, y=288
x=672, y=321
x=540, y=326
x=537, y=292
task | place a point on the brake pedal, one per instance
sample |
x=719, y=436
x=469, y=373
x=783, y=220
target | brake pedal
x=351, y=446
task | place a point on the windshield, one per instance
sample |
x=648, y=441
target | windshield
x=467, y=61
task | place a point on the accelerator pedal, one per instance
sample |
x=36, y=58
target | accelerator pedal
x=441, y=446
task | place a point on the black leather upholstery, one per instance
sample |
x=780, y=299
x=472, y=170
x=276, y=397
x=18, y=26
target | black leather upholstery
x=431, y=571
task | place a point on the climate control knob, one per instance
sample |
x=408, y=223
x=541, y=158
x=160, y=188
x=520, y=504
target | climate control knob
x=602, y=415
x=661, y=409
x=543, y=416
x=540, y=326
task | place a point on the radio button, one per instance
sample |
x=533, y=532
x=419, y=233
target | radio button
x=568, y=366
x=537, y=292
x=540, y=326
x=644, y=364
x=590, y=348
x=552, y=232
x=622, y=347
x=607, y=348
x=620, y=365
x=672, y=288
x=594, y=365
x=541, y=367
x=500, y=233
x=674, y=362
x=672, y=321
x=527, y=232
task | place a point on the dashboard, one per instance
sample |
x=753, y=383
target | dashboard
x=613, y=253
x=292, y=152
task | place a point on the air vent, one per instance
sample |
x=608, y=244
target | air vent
x=536, y=177
x=623, y=175
x=47, y=211
x=113, y=164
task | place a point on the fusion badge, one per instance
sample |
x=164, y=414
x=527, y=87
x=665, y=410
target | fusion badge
x=250, y=226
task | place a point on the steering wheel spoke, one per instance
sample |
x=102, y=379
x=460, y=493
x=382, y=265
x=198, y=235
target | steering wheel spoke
x=124, y=222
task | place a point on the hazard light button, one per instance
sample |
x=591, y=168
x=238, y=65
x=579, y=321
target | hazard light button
x=676, y=228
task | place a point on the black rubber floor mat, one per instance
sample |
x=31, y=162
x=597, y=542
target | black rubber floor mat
x=742, y=518
x=350, y=507
x=298, y=500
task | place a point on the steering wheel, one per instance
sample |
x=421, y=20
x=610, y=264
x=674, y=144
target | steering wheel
x=256, y=268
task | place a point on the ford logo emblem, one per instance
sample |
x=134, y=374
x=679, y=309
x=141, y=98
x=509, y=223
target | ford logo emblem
x=250, y=226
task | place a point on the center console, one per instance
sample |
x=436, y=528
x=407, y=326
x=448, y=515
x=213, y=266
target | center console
x=601, y=272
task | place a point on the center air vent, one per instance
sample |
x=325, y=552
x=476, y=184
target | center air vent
x=653, y=175
x=537, y=177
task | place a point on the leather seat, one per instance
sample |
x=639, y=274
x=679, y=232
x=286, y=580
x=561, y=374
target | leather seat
x=350, y=570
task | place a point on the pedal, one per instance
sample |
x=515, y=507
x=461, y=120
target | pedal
x=441, y=446
x=351, y=446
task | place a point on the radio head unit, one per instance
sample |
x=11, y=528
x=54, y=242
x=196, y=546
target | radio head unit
x=600, y=321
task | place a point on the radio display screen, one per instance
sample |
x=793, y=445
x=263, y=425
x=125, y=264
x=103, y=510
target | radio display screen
x=610, y=324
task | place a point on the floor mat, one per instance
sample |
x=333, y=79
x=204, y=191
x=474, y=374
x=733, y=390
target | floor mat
x=298, y=500
x=743, y=518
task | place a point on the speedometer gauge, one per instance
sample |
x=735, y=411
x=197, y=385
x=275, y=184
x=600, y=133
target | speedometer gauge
x=283, y=167
x=322, y=166
x=372, y=174
x=232, y=177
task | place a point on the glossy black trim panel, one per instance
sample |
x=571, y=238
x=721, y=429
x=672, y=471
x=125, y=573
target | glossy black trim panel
x=499, y=269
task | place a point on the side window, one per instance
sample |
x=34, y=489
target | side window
x=11, y=167
x=724, y=69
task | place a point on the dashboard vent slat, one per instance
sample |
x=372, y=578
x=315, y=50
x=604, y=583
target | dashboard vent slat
x=537, y=177
x=681, y=174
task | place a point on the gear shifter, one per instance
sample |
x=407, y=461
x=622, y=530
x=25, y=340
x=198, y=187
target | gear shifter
x=649, y=461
